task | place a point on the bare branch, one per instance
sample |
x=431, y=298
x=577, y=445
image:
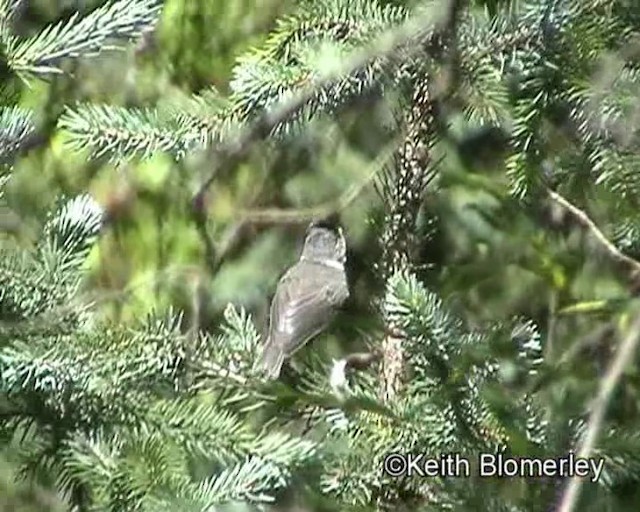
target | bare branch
x=625, y=355
x=304, y=215
x=585, y=221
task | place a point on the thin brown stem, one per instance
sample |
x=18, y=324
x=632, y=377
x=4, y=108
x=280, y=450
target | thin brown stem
x=624, y=356
x=585, y=221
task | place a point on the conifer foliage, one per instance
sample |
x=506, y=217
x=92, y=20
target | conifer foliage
x=150, y=417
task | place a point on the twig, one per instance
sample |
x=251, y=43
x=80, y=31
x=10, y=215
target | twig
x=193, y=330
x=199, y=217
x=583, y=219
x=625, y=354
x=362, y=360
x=233, y=236
x=552, y=320
x=288, y=215
x=304, y=215
x=355, y=361
x=213, y=370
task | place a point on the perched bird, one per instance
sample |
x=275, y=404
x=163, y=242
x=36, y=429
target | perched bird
x=307, y=296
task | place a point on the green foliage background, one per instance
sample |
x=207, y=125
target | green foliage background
x=153, y=250
x=488, y=258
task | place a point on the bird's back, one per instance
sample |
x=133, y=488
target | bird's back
x=306, y=299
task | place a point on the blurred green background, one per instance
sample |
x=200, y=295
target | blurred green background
x=486, y=255
x=152, y=255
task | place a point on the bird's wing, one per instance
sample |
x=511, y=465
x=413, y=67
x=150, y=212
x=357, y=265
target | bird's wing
x=304, y=304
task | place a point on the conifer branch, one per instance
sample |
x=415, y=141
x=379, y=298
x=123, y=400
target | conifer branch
x=383, y=47
x=116, y=131
x=8, y=11
x=16, y=128
x=231, y=152
x=404, y=185
x=199, y=122
x=81, y=36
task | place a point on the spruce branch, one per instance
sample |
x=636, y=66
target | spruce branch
x=81, y=36
x=625, y=354
x=40, y=285
x=293, y=56
x=8, y=8
x=121, y=132
x=212, y=370
x=354, y=21
x=254, y=479
x=441, y=350
x=8, y=11
x=404, y=185
x=251, y=480
x=383, y=47
x=25, y=292
x=234, y=150
x=16, y=128
x=201, y=429
x=70, y=233
x=199, y=122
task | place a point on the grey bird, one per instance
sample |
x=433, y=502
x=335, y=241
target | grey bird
x=307, y=296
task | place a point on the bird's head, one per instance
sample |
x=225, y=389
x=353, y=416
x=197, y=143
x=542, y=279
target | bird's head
x=324, y=242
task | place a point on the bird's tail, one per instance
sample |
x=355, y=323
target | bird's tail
x=271, y=360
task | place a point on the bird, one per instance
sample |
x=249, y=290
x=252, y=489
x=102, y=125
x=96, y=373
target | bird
x=307, y=297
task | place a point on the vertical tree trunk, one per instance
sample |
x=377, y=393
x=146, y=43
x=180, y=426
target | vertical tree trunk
x=403, y=189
